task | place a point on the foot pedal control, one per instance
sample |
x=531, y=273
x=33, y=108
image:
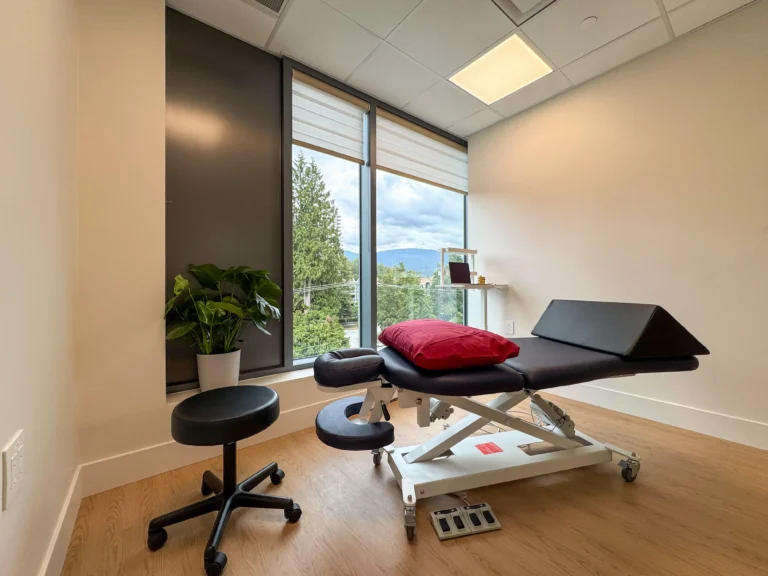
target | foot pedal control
x=456, y=522
x=450, y=523
x=481, y=518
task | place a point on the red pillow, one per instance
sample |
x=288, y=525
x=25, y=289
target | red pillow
x=441, y=345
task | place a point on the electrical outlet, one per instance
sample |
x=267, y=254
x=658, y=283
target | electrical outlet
x=509, y=328
x=13, y=468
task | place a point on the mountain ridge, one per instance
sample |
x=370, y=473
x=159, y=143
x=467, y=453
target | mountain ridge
x=420, y=260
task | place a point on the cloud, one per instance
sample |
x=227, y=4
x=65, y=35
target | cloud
x=409, y=214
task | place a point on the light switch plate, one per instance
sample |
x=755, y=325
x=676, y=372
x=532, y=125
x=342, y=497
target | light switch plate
x=509, y=328
x=13, y=468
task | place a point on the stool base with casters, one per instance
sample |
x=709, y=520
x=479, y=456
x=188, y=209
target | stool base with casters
x=222, y=417
x=228, y=496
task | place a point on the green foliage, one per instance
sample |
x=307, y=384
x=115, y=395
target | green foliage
x=320, y=269
x=401, y=297
x=227, y=301
x=318, y=256
x=314, y=333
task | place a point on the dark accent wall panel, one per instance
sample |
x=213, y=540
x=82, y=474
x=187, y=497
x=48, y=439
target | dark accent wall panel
x=223, y=170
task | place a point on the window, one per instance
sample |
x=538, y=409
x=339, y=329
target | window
x=417, y=184
x=327, y=154
x=413, y=221
x=420, y=188
x=326, y=244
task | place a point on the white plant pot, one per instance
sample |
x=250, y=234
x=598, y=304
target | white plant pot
x=218, y=370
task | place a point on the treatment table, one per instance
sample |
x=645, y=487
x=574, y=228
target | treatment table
x=573, y=342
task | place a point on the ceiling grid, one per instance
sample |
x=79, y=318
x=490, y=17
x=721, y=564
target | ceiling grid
x=405, y=51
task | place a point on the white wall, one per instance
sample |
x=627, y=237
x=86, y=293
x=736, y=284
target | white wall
x=121, y=134
x=38, y=105
x=648, y=184
x=121, y=347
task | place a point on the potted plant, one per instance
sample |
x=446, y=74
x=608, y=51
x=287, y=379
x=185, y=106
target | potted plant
x=215, y=315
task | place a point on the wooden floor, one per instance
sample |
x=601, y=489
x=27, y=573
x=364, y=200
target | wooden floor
x=698, y=507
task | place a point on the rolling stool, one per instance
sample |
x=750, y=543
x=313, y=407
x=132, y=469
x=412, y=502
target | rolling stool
x=224, y=416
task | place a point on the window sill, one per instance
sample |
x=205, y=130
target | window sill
x=176, y=397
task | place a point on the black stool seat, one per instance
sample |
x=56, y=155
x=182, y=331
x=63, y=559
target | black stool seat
x=224, y=415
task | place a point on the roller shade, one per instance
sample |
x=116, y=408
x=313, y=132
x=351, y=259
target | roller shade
x=408, y=150
x=326, y=122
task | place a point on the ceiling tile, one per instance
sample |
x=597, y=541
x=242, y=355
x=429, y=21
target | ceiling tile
x=445, y=34
x=561, y=32
x=476, y=122
x=380, y=17
x=699, y=12
x=629, y=46
x=444, y=104
x=316, y=34
x=543, y=89
x=392, y=76
x=233, y=17
x=670, y=5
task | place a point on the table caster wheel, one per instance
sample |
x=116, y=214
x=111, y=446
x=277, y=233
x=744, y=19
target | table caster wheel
x=216, y=566
x=410, y=521
x=156, y=539
x=376, y=458
x=277, y=477
x=628, y=474
x=293, y=514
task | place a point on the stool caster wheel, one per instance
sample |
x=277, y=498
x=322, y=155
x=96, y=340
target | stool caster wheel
x=277, y=477
x=156, y=539
x=409, y=532
x=293, y=514
x=376, y=458
x=216, y=566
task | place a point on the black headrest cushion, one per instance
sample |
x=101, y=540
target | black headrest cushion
x=348, y=366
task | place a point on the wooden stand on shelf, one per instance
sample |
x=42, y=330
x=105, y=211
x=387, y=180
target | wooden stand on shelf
x=484, y=288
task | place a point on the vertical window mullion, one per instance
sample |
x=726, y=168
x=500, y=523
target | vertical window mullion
x=287, y=160
x=466, y=245
x=368, y=332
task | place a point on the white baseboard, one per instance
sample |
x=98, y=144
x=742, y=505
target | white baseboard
x=53, y=562
x=723, y=426
x=122, y=469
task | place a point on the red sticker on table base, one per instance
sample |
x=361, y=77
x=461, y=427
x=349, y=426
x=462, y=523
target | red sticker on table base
x=489, y=448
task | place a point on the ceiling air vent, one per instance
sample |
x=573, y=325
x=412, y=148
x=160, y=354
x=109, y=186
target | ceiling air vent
x=521, y=10
x=274, y=6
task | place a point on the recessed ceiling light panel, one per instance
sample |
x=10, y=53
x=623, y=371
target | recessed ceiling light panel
x=505, y=69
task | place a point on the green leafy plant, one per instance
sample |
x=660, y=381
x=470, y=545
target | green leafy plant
x=227, y=301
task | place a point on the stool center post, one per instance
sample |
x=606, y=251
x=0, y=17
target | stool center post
x=230, y=468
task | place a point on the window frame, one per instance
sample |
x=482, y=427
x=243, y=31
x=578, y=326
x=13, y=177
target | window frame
x=368, y=268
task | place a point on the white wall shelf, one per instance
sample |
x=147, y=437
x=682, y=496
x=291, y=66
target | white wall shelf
x=484, y=288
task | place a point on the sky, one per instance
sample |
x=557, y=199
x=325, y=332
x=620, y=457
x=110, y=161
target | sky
x=409, y=214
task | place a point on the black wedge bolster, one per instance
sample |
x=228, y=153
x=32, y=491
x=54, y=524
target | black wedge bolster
x=347, y=367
